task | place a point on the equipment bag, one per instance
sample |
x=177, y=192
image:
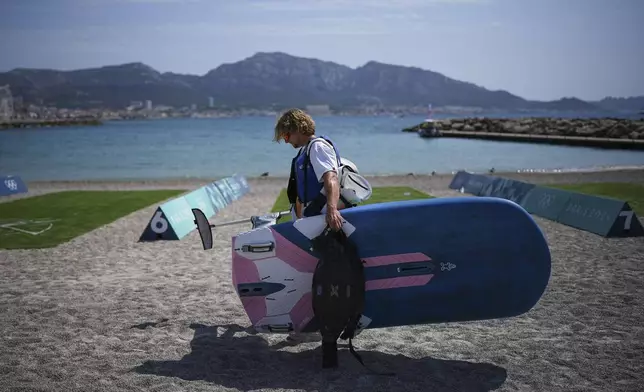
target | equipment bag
x=354, y=188
x=338, y=290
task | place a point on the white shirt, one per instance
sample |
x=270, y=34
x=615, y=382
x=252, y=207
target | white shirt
x=323, y=159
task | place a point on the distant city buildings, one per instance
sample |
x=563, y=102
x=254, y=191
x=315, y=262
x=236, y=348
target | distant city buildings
x=6, y=103
x=318, y=109
x=134, y=105
x=15, y=109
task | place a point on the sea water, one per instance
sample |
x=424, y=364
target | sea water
x=215, y=147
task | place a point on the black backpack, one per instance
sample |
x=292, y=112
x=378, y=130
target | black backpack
x=338, y=290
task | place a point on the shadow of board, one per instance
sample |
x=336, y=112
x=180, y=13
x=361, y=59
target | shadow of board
x=249, y=363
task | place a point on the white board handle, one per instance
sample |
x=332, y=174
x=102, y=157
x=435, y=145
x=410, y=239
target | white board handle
x=261, y=247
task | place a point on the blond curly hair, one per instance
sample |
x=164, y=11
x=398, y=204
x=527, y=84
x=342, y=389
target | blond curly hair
x=294, y=121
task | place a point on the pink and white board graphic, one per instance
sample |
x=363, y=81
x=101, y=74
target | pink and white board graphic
x=282, y=262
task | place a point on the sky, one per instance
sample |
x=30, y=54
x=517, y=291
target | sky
x=537, y=49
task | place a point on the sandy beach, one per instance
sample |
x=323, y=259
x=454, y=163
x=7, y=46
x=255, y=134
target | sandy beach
x=105, y=313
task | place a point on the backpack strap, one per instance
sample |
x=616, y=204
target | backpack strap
x=318, y=139
x=291, y=190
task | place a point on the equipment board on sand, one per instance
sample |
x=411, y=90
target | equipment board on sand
x=426, y=261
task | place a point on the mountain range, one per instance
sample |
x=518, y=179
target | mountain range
x=276, y=80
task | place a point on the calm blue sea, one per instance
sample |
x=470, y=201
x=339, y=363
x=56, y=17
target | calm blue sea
x=207, y=148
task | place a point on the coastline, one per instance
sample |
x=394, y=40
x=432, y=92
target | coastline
x=282, y=177
x=592, y=169
x=438, y=182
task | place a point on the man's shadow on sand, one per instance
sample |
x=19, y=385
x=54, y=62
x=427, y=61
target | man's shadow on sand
x=249, y=362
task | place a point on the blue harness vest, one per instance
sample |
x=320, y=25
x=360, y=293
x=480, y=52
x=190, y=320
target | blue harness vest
x=303, y=183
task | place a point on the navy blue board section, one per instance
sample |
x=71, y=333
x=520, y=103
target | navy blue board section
x=489, y=259
x=11, y=185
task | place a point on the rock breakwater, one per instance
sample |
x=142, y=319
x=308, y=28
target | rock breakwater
x=605, y=128
x=48, y=123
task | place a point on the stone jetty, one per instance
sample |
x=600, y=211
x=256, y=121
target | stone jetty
x=598, y=132
x=45, y=123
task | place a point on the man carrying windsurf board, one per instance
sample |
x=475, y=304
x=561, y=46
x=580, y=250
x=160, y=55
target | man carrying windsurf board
x=321, y=182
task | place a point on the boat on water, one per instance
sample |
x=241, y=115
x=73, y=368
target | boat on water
x=428, y=127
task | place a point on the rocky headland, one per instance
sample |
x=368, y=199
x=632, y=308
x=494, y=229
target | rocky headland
x=613, y=128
